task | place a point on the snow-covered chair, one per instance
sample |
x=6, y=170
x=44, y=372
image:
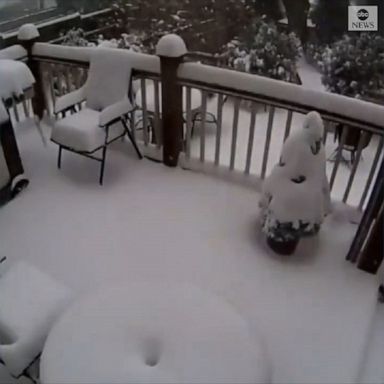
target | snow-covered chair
x=30, y=303
x=296, y=194
x=107, y=108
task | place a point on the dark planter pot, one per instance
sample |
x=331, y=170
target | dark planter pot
x=283, y=247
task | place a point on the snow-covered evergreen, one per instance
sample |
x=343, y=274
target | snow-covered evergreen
x=296, y=194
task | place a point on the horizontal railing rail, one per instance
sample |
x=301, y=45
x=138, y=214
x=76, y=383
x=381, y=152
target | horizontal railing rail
x=333, y=107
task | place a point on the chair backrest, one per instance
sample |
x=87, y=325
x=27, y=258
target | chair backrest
x=109, y=78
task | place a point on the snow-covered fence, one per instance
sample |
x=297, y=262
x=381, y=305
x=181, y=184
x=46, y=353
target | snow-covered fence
x=223, y=95
x=237, y=127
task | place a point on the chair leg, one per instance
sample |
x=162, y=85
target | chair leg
x=102, y=166
x=133, y=141
x=59, y=157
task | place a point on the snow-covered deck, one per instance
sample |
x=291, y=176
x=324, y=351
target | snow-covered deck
x=151, y=222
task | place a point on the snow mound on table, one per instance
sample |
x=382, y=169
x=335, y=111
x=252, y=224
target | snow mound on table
x=15, y=78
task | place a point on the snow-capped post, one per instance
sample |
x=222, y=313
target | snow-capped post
x=27, y=36
x=171, y=50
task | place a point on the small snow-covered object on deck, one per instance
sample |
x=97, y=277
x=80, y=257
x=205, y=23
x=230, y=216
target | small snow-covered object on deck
x=296, y=194
x=15, y=78
x=30, y=303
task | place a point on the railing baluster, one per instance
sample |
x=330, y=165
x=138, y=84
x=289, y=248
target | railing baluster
x=338, y=156
x=267, y=141
x=68, y=81
x=376, y=159
x=234, y=133
x=77, y=77
x=15, y=111
x=202, y=126
x=354, y=167
x=158, y=132
x=25, y=107
x=250, y=138
x=326, y=130
x=51, y=83
x=288, y=124
x=188, y=134
x=144, y=109
x=220, y=102
x=60, y=78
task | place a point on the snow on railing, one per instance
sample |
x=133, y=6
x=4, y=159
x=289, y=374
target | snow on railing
x=14, y=52
x=49, y=52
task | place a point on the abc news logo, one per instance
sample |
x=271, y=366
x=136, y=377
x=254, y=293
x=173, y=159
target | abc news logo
x=362, y=19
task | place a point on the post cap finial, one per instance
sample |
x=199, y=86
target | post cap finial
x=171, y=45
x=28, y=32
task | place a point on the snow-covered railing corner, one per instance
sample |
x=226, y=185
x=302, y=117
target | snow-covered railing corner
x=14, y=52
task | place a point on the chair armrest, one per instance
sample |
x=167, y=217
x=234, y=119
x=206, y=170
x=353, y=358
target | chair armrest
x=70, y=99
x=114, y=111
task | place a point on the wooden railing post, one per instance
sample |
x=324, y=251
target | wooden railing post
x=171, y=49
x=28, y=35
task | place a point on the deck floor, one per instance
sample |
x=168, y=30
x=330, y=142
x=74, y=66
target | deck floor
x=151, y=222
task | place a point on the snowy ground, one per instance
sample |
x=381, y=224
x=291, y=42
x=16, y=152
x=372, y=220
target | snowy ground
x=151, y=222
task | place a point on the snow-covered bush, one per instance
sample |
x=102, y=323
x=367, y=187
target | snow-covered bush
x=354, y=65
x=133, y=41
x=265, y=51
x=295, y=195
x=75, y=37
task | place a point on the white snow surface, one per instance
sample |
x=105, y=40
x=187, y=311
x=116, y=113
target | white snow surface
x=151, y=223
x=15, y=78
x=171, y=45
x=154, y=333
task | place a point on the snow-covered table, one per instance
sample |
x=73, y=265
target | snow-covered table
x=150, y=98
x=153, y=333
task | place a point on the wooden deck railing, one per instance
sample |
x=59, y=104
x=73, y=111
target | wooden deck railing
x=239, y=125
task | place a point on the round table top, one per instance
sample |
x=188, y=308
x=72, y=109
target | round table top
x=150, y=97
x=152, y=333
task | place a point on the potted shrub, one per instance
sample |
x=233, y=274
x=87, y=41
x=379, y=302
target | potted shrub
x=295, y=196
